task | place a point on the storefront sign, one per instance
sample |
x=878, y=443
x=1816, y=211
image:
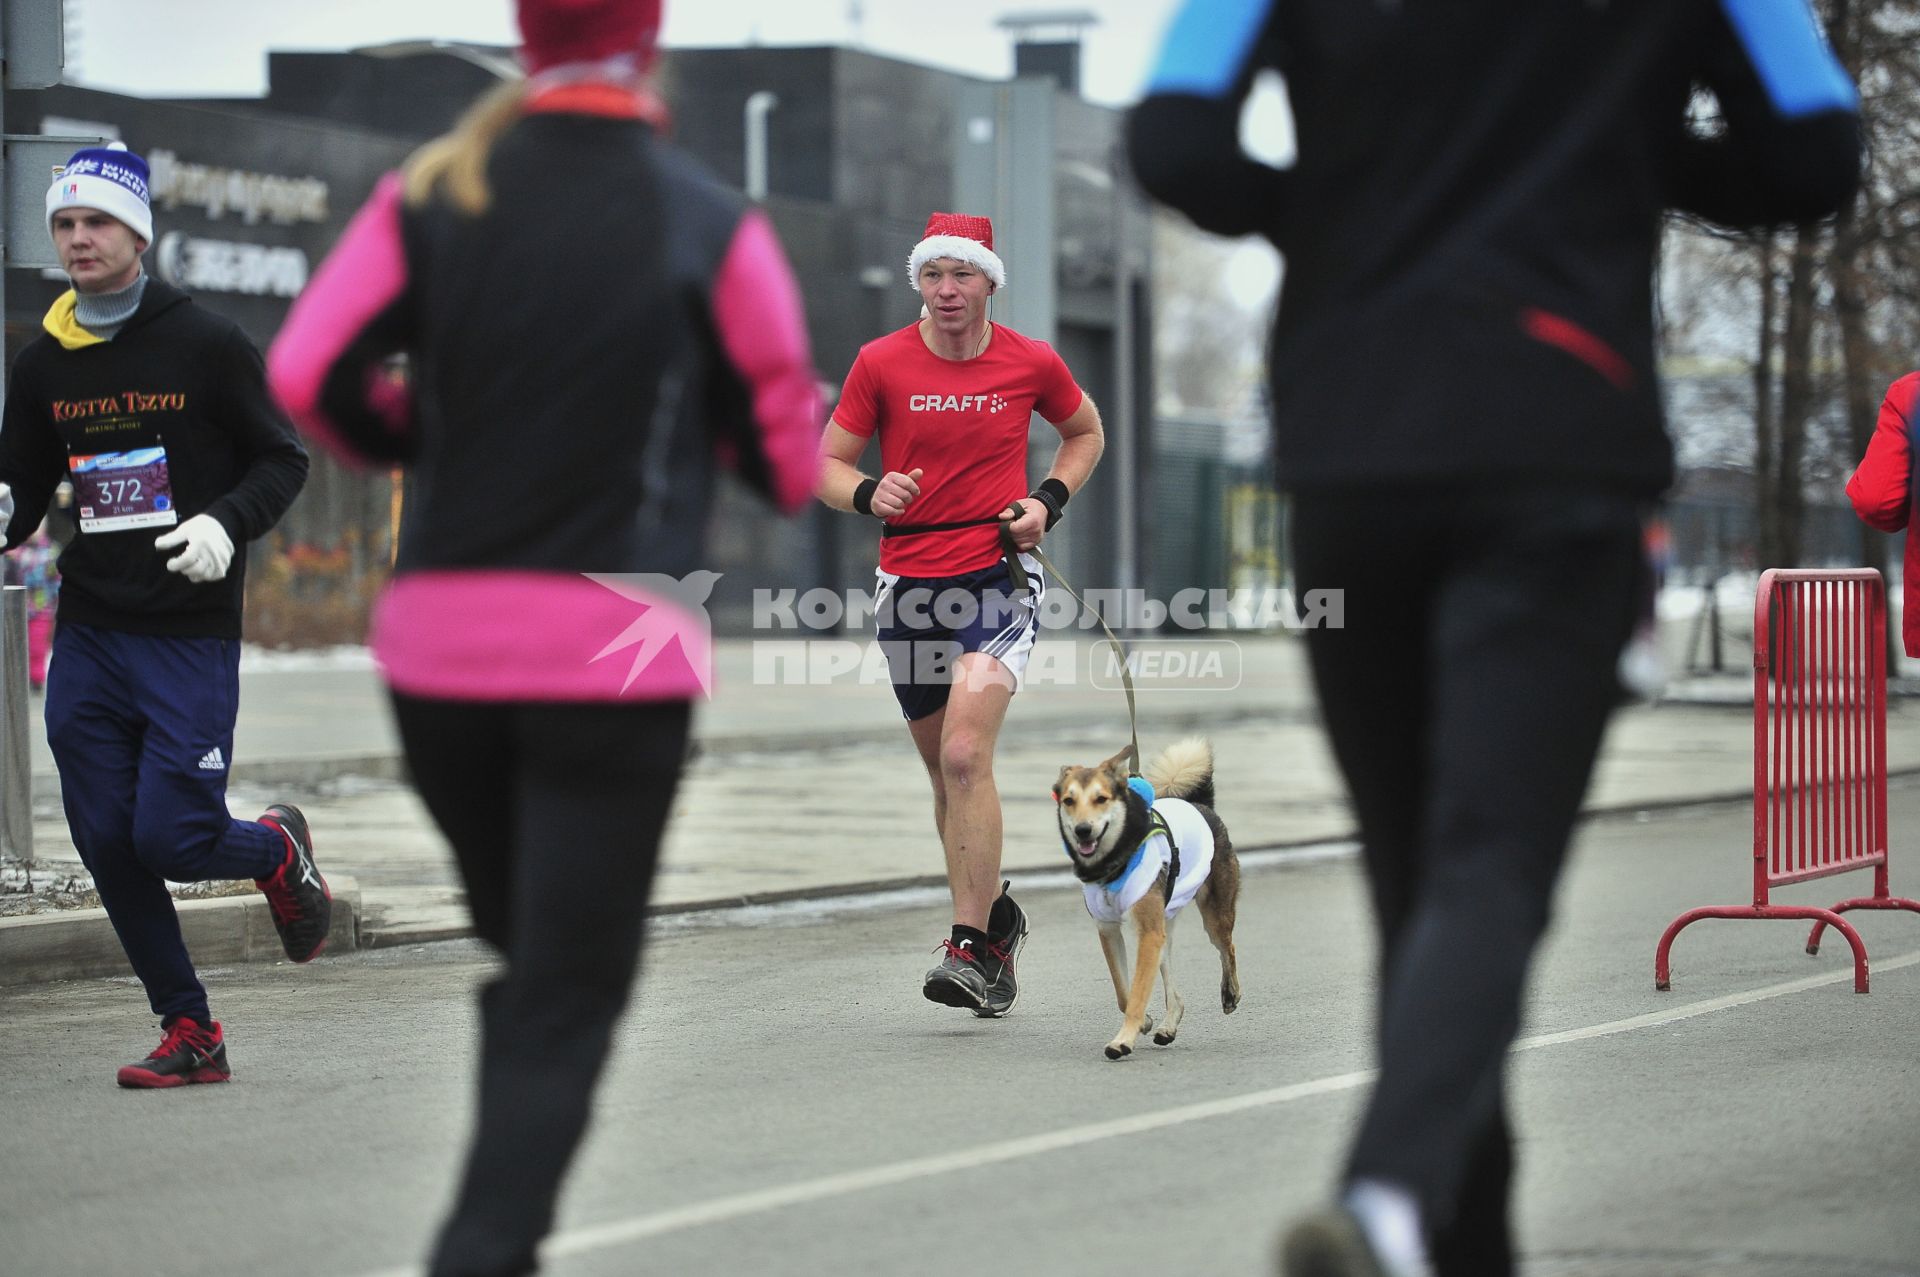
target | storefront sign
x=255, y=197
x=221, y=266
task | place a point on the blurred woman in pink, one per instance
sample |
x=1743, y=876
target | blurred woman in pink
x=33, y=565
x=595, y=326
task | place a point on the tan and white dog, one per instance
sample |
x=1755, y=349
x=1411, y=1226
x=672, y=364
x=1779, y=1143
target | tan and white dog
x=1147, y=860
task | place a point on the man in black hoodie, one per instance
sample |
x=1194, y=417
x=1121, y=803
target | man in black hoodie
x=157, y=411
x=1467, y=417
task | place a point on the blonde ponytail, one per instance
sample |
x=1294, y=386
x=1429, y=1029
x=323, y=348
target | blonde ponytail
x=455, y=164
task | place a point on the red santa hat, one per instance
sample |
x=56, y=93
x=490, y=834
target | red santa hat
x=961, y=237
x=557, y=32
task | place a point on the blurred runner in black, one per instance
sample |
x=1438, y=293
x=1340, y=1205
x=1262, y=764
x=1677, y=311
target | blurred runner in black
x=1468, y=420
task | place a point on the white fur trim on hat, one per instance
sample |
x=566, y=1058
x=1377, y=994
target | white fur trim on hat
x=119, y=193
x=960, y=248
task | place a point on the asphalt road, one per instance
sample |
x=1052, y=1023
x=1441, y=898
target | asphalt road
x=784, y=1101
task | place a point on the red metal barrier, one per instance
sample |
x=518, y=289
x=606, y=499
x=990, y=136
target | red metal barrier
x=1819, y=751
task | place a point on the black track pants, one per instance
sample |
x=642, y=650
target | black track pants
x=555, y=814
x=1465, y=697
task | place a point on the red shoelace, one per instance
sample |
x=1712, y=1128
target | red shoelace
x=955, y=951
x=182, y=1032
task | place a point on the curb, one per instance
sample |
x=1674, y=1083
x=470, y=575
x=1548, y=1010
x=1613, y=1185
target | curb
x=309, y=772
x=312, y=770
x=75, y=944
x=80, y=943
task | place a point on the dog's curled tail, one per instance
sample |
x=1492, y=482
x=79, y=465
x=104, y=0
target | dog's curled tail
x=1184, y=769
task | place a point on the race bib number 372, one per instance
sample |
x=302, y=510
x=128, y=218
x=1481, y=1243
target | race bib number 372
x=116, y=490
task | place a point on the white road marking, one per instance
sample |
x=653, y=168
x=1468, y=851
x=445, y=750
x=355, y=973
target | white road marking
x=574, y=1241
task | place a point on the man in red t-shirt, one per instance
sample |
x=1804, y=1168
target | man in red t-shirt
x=951, y=397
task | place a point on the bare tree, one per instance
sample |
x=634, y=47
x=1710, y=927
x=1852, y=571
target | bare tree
x=1833, y=316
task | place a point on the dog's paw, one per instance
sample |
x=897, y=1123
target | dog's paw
x=1229, y=1000
x=1146, y=1024
x=1164, y=1037
x=1118, y=1050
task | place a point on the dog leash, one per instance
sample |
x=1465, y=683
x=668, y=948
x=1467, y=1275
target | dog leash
x=1018, y=572
x=1021, y=581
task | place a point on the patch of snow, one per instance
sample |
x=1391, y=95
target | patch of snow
x=346, y=656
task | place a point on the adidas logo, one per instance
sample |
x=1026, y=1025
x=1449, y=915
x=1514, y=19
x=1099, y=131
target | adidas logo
x=213, y=762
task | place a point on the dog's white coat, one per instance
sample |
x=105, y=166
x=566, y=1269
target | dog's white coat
x=1109, y=902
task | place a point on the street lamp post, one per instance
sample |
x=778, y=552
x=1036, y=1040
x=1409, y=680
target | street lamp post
x=759, y=105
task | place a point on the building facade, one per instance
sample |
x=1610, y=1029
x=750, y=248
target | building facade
x=859, y=149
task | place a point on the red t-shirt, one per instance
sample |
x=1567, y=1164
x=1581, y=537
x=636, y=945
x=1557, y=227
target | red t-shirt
x=963, y=422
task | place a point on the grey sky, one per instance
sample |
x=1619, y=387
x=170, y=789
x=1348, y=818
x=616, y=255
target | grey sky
x=218, y=47
x=194, y=47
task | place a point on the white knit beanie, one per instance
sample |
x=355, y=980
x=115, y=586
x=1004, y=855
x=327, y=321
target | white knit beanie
x=110, y=178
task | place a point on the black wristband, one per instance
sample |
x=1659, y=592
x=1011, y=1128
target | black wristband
x=1052, y=494
x=863, y=496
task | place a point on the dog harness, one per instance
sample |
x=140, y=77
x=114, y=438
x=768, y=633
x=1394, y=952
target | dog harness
x=1188, y=853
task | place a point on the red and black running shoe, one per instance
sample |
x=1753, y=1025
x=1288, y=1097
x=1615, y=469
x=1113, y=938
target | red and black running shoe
x=188, y=1052
x=959, y=980
x=302, y=903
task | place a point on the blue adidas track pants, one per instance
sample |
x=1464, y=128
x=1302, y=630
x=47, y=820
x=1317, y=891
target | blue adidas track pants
x=141, y=728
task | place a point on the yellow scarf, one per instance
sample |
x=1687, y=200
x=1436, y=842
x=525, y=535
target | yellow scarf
x=64, y=327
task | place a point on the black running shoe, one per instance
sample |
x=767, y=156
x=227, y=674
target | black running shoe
x=301, y=902
x=188, y=1052
x=1006, y=933
x=959, y=980
x=1329, y=1243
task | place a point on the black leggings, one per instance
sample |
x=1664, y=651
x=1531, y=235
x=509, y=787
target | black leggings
x=1465, y=698
x=555, y=814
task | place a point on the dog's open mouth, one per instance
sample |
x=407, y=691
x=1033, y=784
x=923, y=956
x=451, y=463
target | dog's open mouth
x=1085, y=850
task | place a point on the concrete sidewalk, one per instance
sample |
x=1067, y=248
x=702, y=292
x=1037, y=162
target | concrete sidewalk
x=802, y=789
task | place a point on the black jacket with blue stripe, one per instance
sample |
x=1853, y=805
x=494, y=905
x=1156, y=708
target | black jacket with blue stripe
x=1471, y=222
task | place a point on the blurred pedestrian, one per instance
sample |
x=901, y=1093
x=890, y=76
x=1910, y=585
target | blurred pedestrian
x=1468, y=421
x=155, y=409
x=594, y=325
x=951, y=396
x=31, y=567
x=1883, y=495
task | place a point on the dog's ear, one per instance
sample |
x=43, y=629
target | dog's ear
x=1118, y=763
x=1060, y=780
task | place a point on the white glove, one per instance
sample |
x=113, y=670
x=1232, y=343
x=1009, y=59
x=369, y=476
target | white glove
x=208, y=548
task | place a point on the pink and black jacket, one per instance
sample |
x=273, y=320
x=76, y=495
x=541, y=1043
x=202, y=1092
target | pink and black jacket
x=583, y=357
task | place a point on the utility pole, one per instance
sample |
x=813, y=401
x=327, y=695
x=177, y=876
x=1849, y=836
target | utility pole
x=32, y=48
